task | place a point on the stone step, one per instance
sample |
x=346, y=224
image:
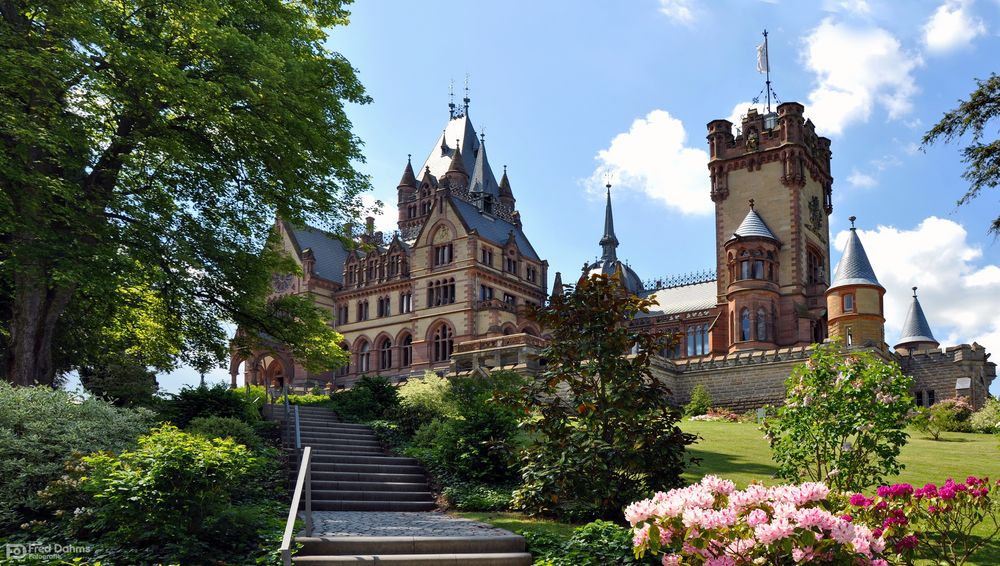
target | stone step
x=319, y=440
x=324, y=475
x=353, y=545
x=345, y=450
x=324, y=457
x=331, y=432
x=369, y=485
x=320, y=505
x=483, y=559
x=366, y=468
x=351, y=495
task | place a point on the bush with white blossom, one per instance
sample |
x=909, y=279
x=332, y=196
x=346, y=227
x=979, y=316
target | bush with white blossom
x=712, y=524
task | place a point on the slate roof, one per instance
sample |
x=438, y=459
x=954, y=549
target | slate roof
x=492, y=228
x=328, y=250
x=753, y=226
x=633, y=283
x=460, y=129
x=915, y=326
x=483, y=180
x=685, y=298
x=854, y=267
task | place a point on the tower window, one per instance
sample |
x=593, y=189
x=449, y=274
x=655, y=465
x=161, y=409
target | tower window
x=442, y=254
x=761, y=325
x=814, y=268
x=848, y=303
x=745, y=324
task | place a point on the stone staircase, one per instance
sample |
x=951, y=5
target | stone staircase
x=351, y=472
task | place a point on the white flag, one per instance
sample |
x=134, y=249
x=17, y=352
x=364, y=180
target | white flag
x=762, y=66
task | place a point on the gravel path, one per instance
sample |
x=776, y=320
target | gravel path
x=398, y=524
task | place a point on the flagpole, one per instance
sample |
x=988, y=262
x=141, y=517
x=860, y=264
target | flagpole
x=767, y=70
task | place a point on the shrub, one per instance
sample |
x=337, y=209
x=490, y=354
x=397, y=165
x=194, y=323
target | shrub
x=177, y=498
x=842, y=421
x=711, y=523
x=311, y=399
x=217, y=400
x=423, y=400
x=949, y=415
x=40, y=428
x=477, y=497
x=371, y=398
x=700, y=402
x=987, y=419
x=124, y=385
x=600, y=543
x=225, y=427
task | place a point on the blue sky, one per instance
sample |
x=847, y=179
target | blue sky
x=569, y=90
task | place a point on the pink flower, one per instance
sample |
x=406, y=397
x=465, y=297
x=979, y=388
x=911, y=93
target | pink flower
x=671, y=560
x=879, y=562
x=720, y=561
x=775, y=531
x=802, y=554
x=756, y=517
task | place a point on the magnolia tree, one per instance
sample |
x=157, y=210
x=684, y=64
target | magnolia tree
x=843, y=420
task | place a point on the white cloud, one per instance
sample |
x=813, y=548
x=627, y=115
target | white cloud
x=857, y=69
x=652, y=157
x=959, y=297
x=386, y=217
x=680, y=11
x=861, y=180
x=952, y=27
x=858, y=7
x=740, y=110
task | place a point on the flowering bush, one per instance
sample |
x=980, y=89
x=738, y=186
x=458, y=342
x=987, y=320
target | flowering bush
x=712, y=524
x=718, y=415
x=843, y=420
x=935, y=521
x=987, y=419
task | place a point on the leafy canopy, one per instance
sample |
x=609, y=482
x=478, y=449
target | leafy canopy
x=972, y=116
x=603, y=432
x=145, y=149
x=843, y=420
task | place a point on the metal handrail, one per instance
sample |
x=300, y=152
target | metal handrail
x=304, y=480
x=298, y=431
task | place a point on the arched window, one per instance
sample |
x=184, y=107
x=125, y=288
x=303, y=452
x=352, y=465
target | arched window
x=406, y=351
x=385, y=354
x=443, y=343
x=364, y=358
x=745, y=324
x=761, y=324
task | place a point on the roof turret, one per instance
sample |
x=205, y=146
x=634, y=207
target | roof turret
x=483, y=180
x=916, y=332
x=557, y=285
x=753, y=226
x=609, y=242
x=854, y=267
x=409, y=179
x=505, y=192
x=457, y=164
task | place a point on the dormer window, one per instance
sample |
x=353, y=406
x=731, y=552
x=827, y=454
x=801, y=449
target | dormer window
x=488, y=204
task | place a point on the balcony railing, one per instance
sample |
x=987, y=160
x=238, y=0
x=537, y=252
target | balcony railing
x=508, y=341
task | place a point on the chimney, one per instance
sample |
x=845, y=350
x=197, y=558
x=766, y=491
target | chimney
x=370, y=224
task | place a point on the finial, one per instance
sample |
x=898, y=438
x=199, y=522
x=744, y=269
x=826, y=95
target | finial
x=409, y=157
x=608, y=186
x=852, y=219
x=482, y=136
x=451, y=98
x=505, y=169
x=458, y=143
x=914, y=292
x=466, y=99
x=427, y=168
x=751, y=204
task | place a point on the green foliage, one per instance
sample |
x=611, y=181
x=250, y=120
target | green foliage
x=983, y=158
x=225, y=427
x=370, y=398
x=843, y=419
x=600, y=543
x=40, y=428
x=987, y=419
x=310, y=399
x=175, y=499
x=478, y=497
x=145, y=150
x=206, y=401
x=600, y=426
x=700, y=402
x=948, y=415
x=125, y=385
x=423, y=400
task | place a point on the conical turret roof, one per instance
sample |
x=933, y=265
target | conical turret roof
x=916, y=331
x=854, y=267
x=505, y=191
x=753, y=226
x=457, y=165
x=409, y=179
x=483, y=180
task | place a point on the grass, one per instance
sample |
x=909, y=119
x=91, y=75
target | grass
x=738, y=451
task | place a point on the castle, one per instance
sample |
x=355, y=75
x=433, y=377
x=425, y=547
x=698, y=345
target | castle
x=448, y=291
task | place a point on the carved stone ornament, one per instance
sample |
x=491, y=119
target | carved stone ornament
x=816, y=218
x=281, y=283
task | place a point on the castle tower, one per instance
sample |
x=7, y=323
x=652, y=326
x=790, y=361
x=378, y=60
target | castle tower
x=407, y=192
x=916, y=334
x=778, y=160
x=752, y=296
x=854, y=299
x=609, y=263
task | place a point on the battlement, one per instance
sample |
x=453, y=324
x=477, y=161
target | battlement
x=739, y=359
x=761, y=132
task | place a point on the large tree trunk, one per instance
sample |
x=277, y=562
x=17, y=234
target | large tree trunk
x=36, y=310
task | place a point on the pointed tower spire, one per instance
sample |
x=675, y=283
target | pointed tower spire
x=854, y=267
x=483, y=180
x=409, y=179
x=855, y=297
x=916, y=333
x=457, y=164
x=609, y=242
x=506, y=195
x=557, y=285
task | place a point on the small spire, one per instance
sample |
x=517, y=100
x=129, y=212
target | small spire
x=409, y=179
x=457, y=164
x=751, y=204
x=557, y=285
x=609, y=242
x=914, y=292
x=444, y=142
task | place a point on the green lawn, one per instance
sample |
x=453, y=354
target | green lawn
x=738, y=451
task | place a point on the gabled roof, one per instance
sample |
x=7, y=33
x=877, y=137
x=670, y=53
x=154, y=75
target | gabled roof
x=916, y=330
x=854, y=267
x=328, y=250
x=753, y=226
x=492, y=228
x=685, y=298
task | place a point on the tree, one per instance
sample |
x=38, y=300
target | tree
x=843, y=420
x=603, y=433
x=149, y=146
x=124, y=385
x=982, y=157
